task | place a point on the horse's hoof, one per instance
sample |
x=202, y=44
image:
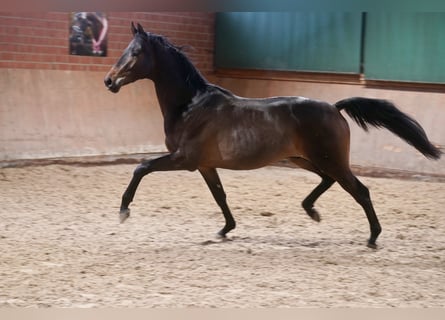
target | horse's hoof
x=372, y=245
x=123, y=215
x=220, y=235
x=314, y=215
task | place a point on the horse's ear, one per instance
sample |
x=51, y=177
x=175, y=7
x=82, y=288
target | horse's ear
x=140, y=29
x=133, y=28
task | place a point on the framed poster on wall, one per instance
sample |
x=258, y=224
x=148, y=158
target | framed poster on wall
x=88, y=34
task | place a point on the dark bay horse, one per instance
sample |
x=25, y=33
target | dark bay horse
x=208, y=127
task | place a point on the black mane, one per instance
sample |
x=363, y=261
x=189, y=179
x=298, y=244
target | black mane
x=193, y=77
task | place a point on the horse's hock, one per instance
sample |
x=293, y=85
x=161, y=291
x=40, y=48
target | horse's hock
x=52, y=113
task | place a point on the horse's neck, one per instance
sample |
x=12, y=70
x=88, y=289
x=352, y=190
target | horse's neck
x=175, y=91
x=173, y=99
x=172, y=96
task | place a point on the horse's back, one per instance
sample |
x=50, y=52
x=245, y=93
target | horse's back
x=302, y=115
x=317, y=128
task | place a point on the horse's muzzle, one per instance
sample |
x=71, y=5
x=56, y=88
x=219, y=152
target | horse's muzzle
x=111, y=85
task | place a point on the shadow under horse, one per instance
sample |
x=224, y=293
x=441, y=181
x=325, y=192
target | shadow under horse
x=207, y=127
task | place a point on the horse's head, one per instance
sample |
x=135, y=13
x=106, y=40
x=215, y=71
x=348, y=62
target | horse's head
x=134, y=64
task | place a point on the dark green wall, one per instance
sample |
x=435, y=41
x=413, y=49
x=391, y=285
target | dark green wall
x=289, y=41
x=397, y=46
x=405, y=46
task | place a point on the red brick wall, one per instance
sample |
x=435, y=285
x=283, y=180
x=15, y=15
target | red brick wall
x=40, y=40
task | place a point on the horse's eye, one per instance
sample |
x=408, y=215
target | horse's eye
x=135, y=53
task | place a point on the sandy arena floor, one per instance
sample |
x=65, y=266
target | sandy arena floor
x=62, y=246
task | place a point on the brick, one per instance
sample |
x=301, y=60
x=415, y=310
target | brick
x=40, y=39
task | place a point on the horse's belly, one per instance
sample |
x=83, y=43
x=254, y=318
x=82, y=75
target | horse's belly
x=251, y=149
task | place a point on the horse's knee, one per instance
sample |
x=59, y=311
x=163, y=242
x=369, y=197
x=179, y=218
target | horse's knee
x=142, y=170
x=364, y=190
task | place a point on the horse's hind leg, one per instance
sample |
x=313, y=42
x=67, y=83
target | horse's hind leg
x=360, y=193
x=336, y=168
x=308, y=202
x=325, y=184
x=213, y=182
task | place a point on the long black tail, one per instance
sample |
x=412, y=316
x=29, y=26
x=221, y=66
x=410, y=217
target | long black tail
x=382, y=113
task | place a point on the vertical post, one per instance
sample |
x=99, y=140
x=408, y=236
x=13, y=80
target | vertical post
x=362, y=45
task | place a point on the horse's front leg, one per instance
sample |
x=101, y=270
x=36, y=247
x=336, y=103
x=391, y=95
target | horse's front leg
x=212, y=179
x=165, y=163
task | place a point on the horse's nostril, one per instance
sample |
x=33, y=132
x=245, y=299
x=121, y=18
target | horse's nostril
x=108, y=82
